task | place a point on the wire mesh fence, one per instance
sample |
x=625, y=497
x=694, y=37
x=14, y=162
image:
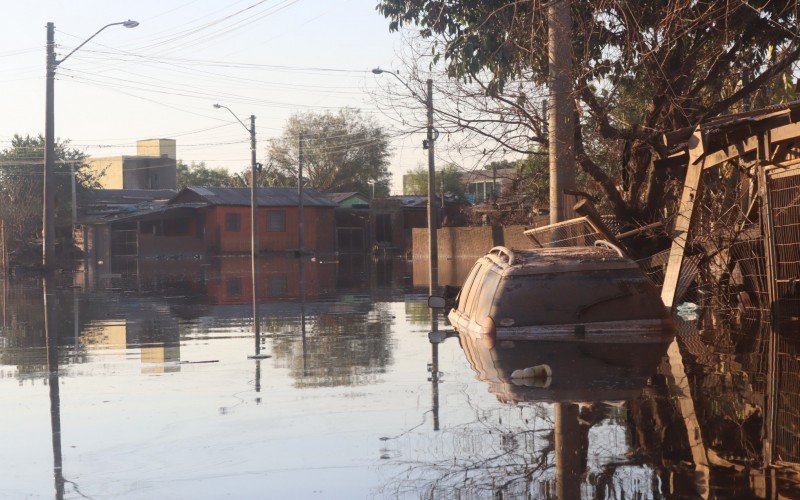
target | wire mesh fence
x=573, y=232
x=787, y=428
x=784, y=188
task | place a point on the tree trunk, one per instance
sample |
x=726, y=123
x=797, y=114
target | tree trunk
x=561, y=107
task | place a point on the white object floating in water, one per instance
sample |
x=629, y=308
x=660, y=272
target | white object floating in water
x=538, y=371
x=538, y=376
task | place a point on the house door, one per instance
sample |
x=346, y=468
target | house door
x=383, y=228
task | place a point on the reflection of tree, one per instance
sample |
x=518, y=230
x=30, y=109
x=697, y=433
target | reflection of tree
x=348, y=344
x=418, y=313
x=22, y=332
x=510, y=452
x=503, y=450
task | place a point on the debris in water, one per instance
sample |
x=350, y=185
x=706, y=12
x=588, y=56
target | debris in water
x=687, y=311
x=539, y=375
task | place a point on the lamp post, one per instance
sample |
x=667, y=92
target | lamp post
x=433, y=219
x=253, y=227
x=48, y=189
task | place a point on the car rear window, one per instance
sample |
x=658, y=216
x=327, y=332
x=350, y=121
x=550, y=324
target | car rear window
x=473, y=289
x=464, y=293
x=485, y=298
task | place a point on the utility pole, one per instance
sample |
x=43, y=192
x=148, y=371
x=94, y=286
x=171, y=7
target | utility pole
x=494, y=183
x=433, y=219
x=562, y=106
x=254, y=241
x=301, y=220
x=48, y=188
x=3, y=254
x=74, y=190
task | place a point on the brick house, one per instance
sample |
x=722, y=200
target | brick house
x=225, y=219
x=121, y=227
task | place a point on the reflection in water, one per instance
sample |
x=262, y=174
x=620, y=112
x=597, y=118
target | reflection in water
x=48, y=302
x=700, y=418
x=434, y=339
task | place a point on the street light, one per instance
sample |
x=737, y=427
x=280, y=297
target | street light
x=48, y=191
x=433, y=220
x=253, y=227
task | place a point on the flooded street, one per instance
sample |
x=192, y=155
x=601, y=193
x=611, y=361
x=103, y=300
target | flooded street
x=141, y=387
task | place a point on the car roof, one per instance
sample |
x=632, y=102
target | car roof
x=557, y=259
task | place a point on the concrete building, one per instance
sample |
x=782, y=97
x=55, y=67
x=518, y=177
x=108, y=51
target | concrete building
x=352, y=216
x=479, y=185
x=394, y=217
x=483, y=185
x=153, y=167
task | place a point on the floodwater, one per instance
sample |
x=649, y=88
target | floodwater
x=141, y=387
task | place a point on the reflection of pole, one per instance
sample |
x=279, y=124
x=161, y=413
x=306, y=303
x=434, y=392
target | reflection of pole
x=680, y=391
x=771, y=417
x=55, y=399
x=3, y=280
x=303, y=314
x=568, y=451
x=258, y=380
x=76, y=316
x=434, y=369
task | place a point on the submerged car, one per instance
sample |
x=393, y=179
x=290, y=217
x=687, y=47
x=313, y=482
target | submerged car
x=590, y=294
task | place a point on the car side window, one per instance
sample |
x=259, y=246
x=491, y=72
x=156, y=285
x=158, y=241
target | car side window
x=461, y=300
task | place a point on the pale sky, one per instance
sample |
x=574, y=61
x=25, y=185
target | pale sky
x=269, y=58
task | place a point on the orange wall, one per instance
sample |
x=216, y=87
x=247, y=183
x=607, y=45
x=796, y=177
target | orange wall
x=319, y=230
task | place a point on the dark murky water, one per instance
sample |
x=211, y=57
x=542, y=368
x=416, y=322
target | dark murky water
x=142, y=388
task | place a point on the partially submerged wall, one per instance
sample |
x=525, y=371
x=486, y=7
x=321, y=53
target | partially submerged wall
x=469, y=241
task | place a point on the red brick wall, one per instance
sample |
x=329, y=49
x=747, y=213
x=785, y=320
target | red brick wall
x=319, y=230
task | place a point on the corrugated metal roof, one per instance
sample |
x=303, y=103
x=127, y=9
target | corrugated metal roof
x=266, y=197
x=128, y=196
x=340, y=197
x=139, y=212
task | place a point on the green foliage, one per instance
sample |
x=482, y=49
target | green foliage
x=448, y=178
x=198, y=174
x=268, y=176
x=21, y=179
x=640, y=68
x=343, y=151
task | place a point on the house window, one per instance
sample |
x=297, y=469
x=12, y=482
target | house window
x=276, y=221
x=277, y=286
x=233, y=223
x=233, y=287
